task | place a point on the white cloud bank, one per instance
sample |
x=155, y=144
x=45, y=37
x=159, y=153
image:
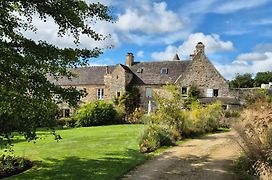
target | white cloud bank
x=252, y=62
x=212, y=42
x=151, y=18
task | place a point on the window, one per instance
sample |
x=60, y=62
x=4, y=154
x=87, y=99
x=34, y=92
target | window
x=100, y=94
x=118, y=94
x=215, y=92
x=212, y=92
x=184, y=90
x=66, y=112
x=148, y=92
x=164, y=71
x=140, y=70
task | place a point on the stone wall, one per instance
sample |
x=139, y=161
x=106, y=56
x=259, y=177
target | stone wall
x=120, y=79
x=204, y=75
x=158, y=89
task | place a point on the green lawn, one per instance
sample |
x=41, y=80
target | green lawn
x=104, y=152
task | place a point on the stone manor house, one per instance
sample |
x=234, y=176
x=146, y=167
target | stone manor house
x=108, y=82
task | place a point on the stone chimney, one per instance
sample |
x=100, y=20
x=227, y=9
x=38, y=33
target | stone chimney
x=129, y=59
x=200, y=47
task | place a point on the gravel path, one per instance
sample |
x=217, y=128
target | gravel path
x=207, y=158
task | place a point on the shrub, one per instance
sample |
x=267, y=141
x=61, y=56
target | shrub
x=136, y=116
x=155, y=136
x=96, y=113
x=205, y=119
x=67, y=121
x=10, y=165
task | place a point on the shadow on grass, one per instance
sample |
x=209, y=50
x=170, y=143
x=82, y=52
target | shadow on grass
x=112, y=166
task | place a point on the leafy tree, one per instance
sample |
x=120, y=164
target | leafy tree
x=27, y=98
x=242, y=81
x=262, y=77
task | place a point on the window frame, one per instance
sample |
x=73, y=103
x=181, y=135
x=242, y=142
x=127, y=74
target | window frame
x=217, y=92
x=100, y=93
x=182, y=90
x=164, y=70
x=148, y=92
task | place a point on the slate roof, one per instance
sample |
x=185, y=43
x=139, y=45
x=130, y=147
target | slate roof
x=93, y=75
x=150, y=72
x=143, y=73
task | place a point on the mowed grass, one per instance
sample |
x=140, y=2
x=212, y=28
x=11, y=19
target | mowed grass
x=104, y=152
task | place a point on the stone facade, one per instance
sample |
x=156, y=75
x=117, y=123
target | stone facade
x=150, y=77
x=204, y=75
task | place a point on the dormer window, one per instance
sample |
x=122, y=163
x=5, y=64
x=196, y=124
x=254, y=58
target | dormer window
x=164, y=70
x=140, y=70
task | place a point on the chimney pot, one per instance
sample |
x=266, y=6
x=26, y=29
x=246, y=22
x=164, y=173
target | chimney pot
x=129, y=59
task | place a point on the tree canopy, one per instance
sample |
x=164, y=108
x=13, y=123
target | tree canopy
x=262, y=77
x=27, y=98
x=247, y=81
x=242, y=81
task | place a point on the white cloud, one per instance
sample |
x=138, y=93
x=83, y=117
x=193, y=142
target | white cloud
x=150, y=18
x=49, y=31
x=251, y=57
x=213, y=44
x=235, y=5
x=261, y=48
x=169, y=53
x=140, y=54
x=221, y=6
x=252, y=62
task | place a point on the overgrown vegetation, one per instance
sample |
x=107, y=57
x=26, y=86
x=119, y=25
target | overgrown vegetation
x=255, y=130
x=127, y=106
x=172, y=120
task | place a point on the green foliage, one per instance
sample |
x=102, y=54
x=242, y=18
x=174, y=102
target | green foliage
x=194, y=92
x=206, y=119
x=232, y=114
x=171, y=120
x=154, y=137
x=96, y=113
x=242, y=81
x=262, y=77
x=127, y=103
x=169, y=111
x=193, y=95
x=27, y=96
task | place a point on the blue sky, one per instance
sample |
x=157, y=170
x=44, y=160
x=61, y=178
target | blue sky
x=237, y=33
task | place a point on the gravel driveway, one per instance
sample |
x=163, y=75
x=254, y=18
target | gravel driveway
x=207, y=158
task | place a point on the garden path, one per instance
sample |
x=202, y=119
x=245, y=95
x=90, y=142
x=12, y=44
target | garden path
x=207, y=158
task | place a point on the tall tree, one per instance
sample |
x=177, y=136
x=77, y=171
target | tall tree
x=262, y=77
x=242, y=81
x=27, y=98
